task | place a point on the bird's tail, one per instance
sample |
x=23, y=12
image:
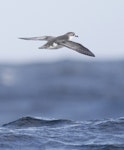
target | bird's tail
x=42, y=47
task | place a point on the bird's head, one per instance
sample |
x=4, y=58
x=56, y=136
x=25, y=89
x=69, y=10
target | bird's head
x=71, y=35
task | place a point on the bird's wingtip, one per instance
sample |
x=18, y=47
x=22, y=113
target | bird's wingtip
x=20, y=38
x=93, y=55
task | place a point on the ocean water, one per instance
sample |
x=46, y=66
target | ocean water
x=71, y=105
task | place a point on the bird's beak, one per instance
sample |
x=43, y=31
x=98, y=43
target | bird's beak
x=76, y=35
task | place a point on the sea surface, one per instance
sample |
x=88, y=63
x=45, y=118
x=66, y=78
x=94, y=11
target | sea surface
x=64, y=105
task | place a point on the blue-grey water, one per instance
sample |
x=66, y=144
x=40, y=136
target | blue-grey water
x=66, y=105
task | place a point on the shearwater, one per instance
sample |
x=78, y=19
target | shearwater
x=62, y=41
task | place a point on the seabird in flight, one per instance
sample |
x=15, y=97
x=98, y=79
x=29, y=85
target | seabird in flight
x=62, y=41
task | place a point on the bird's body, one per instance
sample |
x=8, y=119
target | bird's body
x=62, y=41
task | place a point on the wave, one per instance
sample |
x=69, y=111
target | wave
x=32, y=133
x=35, y=122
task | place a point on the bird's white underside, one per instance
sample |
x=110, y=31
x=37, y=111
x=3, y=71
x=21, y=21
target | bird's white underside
x=71, y=37
x=53, y=46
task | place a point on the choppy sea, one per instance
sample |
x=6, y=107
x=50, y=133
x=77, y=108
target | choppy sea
x=64, y=105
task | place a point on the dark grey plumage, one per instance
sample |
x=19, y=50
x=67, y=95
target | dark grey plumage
x=77, y=47
x=40, y=38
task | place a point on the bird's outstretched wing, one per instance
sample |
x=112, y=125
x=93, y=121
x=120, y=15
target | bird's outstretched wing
x=77, y=47
x=40, y=38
